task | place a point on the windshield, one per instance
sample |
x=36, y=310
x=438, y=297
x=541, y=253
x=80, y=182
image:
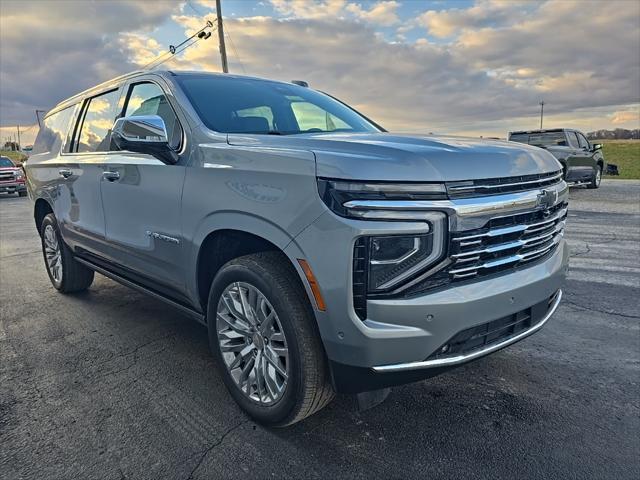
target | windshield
x=540, y=139
x=6, y=162
x=244, y=105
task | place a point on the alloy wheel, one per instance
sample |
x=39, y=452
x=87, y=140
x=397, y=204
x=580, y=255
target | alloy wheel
x=252, y=343
x=52, y=253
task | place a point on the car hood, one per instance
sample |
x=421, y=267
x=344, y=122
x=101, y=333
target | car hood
x=398, y=157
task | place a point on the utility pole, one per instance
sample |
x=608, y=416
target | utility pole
x=223, y=49
x=19, y=148
x=541, y=113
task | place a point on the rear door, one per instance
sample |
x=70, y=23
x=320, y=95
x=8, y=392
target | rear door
x=141, y=197
x=78, y=205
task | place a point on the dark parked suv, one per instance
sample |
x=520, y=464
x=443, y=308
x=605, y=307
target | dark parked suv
x=321, y=252
x=582, y=161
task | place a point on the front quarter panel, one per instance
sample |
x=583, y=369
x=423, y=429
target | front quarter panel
x=271, y=193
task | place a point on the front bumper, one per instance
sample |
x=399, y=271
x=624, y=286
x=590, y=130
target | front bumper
x=397, y=340
x=12, y=187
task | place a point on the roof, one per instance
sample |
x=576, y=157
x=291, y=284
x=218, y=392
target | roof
x=546, y=130
x=162, y=73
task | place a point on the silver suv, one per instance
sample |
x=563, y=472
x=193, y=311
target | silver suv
x=322, y=253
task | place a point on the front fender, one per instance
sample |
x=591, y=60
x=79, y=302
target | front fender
x=245, y=222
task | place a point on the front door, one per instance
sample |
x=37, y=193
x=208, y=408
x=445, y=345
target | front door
x=141, y=198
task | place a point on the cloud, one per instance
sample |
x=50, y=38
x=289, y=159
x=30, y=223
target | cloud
x=307, y=9
x=48, y=53
x=626, y=116
x=450, y=22
x=483, y=68
x=381, y=13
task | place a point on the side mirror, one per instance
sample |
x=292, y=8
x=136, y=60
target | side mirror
x=596, y=146
x=144, y=134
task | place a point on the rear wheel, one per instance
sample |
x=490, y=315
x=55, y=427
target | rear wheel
x=66, y=274
x=597, y=178
x=263, y=335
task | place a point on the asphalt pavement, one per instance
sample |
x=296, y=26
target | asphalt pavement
x=112, y=384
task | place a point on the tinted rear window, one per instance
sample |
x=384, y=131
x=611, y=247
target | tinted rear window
x=240, y=105
x=95, y=134
x=54, y=132
x=540, y=139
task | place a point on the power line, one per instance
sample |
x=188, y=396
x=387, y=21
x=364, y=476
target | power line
x=176, y=52
x=175, y=49
x=236, y=51
x=194, y=9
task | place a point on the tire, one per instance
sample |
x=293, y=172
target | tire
x=22, y=194
x=293, y=328
x=597, y=178
x=66, y=274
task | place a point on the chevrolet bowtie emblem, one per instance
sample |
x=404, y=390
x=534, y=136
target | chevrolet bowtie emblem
x=547, y=199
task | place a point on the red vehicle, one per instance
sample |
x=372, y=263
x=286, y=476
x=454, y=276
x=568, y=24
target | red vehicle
x=12, y=178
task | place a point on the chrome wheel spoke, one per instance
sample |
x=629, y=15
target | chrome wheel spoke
x=236, y=326
x=275, y=363
x=52, y=253
x=252, y=343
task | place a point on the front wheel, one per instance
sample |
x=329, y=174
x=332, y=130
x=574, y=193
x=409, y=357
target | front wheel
x=66, y=274
x=263, y=335
x=597, y=178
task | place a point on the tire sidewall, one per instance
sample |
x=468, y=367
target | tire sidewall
x=51, y=220
x=259, y=278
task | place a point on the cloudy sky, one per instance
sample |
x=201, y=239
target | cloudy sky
x=464, y=67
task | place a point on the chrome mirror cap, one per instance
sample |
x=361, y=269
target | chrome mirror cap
x=141, y=128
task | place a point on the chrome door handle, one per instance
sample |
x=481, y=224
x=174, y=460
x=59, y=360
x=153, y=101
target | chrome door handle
x=111, y=176
x=65, y=172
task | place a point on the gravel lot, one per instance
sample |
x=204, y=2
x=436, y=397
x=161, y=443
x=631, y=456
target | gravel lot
x=112, y=384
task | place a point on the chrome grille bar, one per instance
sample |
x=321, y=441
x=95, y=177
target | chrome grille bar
x=507, y=247
x=465, y=188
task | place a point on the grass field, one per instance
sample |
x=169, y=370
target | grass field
x=625, y=154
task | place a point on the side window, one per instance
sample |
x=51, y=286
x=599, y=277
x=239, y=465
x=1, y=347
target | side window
x=54, y=132
x=573, y=140
x=149, y=99
x=95, y=133
x=312, y=117
x=583, y=141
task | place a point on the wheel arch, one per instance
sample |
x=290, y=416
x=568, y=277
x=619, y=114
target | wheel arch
x=225, y=243
x=41, y=209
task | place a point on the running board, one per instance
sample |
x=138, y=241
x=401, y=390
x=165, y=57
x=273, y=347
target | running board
x=128, y=283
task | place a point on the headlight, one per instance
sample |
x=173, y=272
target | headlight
x=392, y=261
x=337, y=195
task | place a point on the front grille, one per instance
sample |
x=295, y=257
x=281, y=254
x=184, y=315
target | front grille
x=506, y=243
x=496, y=331
x=7, y=177
x=497, y=186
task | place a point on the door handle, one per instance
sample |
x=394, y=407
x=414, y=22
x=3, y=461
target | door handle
x=65, y=172
x=111, y=176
